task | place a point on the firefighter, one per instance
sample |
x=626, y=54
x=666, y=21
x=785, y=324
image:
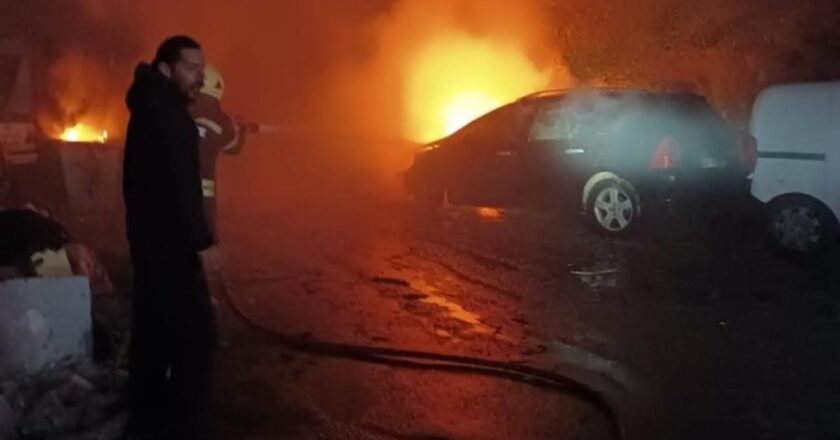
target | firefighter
x=173, y=336
x=218, y=132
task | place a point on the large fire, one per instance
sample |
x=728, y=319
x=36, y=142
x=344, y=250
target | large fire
x=456, y=78
x=84, y=133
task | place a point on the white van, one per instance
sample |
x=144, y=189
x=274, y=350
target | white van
x=797, y=176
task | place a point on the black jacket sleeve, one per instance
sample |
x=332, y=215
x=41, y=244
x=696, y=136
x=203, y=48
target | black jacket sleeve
x=180, y=151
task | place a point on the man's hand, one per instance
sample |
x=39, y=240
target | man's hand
x=244, y=125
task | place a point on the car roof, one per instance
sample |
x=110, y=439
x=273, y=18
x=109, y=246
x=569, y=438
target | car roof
x=554, y=94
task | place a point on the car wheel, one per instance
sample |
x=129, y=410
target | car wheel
x=613, y=206
x=800, y=226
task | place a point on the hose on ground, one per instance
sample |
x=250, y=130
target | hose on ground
x=422, y=360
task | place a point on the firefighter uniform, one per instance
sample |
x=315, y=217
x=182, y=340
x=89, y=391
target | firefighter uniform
x=218, y=134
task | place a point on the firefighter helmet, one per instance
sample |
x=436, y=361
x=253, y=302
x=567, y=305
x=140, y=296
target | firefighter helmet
x=214, y=85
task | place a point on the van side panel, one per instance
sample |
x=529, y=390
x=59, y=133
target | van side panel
x=797, y=128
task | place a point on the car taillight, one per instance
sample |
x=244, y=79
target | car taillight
x=666, y=153
x=749, y=152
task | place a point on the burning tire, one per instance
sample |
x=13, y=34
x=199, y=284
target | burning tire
x=612, y=206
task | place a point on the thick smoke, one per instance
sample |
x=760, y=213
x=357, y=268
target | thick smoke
x=81, y=89
x=273, y=54
x=331, y=63
x=727, y=50
x=335, y=70
x=377, y=80
x=323, y=61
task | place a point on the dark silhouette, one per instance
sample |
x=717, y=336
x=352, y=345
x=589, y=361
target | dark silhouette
x=173, y=330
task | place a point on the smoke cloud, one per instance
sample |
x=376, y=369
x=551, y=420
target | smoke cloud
x=340, y=72
x=341, y=64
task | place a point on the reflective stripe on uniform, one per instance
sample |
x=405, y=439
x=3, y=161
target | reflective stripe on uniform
x=209, y=123
x=208, y=187
x=232, y=144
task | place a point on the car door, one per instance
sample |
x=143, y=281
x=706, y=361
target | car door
x=487, y=157
x=708, y=153
x=559, y=153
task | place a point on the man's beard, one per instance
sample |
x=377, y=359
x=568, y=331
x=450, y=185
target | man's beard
x=189, y=93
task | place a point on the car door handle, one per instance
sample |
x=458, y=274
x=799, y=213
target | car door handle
x=506, y=153
x=575, y=151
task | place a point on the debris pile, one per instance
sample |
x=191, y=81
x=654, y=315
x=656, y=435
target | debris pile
x=26, y=232
x=50, y=388
x=81, y=401
x=600, y=269
x=37, y=245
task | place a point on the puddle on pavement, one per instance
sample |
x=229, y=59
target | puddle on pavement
x=454, y=310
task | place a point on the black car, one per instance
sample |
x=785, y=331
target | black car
x=609, y=151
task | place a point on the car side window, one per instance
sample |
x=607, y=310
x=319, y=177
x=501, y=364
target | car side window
x=491, y=129
x=553, y=123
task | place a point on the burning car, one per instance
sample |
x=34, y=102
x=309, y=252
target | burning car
x=609, y=152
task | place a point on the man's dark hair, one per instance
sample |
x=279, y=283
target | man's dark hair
x=169, y=51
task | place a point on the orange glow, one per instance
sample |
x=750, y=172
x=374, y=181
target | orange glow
x=455, y=78
x=84, y=103
x=84, y=133
x=491, y=213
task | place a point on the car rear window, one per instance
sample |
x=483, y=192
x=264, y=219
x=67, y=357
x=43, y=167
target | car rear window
x=696, y=124
x=634, y=121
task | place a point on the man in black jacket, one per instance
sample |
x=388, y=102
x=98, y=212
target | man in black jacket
x=173, y=330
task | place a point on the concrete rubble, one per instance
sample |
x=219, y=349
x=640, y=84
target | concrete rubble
x=80, y=401
x=42, y=322
x=50, y=387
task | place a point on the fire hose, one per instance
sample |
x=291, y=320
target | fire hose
x=422, y=360
x=248, y=127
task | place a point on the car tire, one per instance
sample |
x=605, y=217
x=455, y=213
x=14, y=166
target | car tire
x=613, y=207
x=800, y=226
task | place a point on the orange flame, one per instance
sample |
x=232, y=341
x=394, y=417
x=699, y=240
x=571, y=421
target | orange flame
x=83, y=102
x=84, y=133
x=491, y=213
x=456, y=78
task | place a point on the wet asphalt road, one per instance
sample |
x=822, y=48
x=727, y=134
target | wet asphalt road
x=405, y=289
x=692, y=331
